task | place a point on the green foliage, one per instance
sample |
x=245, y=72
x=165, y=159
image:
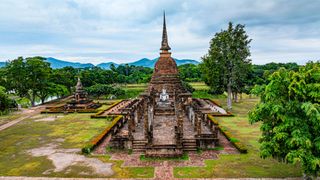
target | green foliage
x=190, y=73
x=131, y=74
x=65, y=76
x=290, y=114
x=98, y=90
x=5, y=101
x=226, y=66
x=30, y=78
x=257, y=89
x=187, y=86
x=234, y=140
x=259, y=74
x=87, y=149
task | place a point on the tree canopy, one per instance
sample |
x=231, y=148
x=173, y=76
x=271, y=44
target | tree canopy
x=226, y=65
x=290, y=114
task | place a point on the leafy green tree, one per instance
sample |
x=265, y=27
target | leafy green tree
x=259, y=74
x=28, y=77
x=3, y=77
x=65, y=76
x=190, y=73
x=37, y=78
x=226, y=66
x=118, y=91
x=98, y=90
x=290, y=114
x=5, y=101
x=16, y=74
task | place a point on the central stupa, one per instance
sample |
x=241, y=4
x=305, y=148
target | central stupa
x=166, y=74
x=164, y=121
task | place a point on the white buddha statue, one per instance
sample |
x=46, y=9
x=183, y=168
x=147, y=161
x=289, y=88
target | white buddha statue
x=164, y=97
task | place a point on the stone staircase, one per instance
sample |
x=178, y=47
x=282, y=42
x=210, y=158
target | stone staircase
x=189, y=144
x=164, y=111
x=139, y=145
x=164, y=150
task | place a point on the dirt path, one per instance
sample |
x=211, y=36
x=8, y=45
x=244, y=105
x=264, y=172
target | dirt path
x=27, y=113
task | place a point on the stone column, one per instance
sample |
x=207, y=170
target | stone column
x=180, y=127
x=129, y=117
x=145, y=117
x=195, y=121
x=199, y=123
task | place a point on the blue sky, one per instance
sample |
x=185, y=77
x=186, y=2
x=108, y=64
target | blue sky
x=95, y=31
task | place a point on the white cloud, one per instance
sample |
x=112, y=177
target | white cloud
x=125, y=30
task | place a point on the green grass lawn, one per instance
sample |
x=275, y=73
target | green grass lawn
x=68, y=132
x=240, y=165
x=78, y=128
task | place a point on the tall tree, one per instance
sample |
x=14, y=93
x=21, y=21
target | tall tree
x=37, y=78
x=15, y=72
x=65, y=76
x=28, y=77
x=226, y=65
x=290, y=114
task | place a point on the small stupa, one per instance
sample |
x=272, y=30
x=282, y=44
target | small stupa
x=80, y=96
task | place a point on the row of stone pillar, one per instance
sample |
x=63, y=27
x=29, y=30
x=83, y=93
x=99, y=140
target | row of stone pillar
x=134, y=116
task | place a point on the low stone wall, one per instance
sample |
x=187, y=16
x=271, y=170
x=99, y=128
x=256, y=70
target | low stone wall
x=241, y=147
x=99, y=114
x=110, y=130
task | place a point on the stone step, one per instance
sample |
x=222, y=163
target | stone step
x=190, y=149
x=138, y=150
x=189, y=140
x=164, y=113
x=140, y=141
x=138, y=147
x=189, y=145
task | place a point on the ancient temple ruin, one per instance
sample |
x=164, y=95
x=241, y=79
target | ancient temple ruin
x=165, y=121
x=80, y=95
x=78, y=102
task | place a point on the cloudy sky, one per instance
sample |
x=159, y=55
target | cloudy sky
x=95, y=31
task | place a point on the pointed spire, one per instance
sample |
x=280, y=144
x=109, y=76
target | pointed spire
x=164, y=44
x=79, y=86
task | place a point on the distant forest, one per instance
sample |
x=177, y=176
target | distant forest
x=33, y=78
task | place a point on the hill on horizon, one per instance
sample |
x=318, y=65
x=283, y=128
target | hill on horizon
x=145, y=62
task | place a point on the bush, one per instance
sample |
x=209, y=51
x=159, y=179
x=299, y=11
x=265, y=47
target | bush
x=187, y=86
x=87, y=149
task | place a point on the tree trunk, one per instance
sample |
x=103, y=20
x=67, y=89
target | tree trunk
x=240, y=96
x=42, y=100
x=33, y=99
x=236, y=97
x=229, y=100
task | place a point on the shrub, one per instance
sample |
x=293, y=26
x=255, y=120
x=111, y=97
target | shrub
x=234, y=140
x=97, y=139
x=187, y=86
x=87, y=149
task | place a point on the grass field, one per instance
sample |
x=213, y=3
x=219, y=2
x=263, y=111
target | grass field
x=67, y=132
x=72, y=131
x=240, y=165
x=9, y=117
